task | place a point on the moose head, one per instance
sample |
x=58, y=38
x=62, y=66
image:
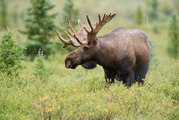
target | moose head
x=85, y=40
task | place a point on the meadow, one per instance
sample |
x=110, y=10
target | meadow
x=83, y=94
x=64, y=94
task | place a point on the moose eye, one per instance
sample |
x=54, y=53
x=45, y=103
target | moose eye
x=85, y=48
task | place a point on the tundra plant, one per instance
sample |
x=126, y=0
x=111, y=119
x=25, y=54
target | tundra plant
x=40, y=71
x=173, y=46
x=10, y=54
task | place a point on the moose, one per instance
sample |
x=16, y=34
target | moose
x=123, y=54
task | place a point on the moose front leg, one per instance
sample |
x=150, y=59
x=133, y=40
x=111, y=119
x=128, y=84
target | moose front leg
x=109, y=76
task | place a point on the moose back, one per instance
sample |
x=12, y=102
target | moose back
x=123, y=54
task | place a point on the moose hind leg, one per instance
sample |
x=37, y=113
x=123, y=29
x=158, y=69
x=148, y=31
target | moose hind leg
x=130, y=79
x=141, y=73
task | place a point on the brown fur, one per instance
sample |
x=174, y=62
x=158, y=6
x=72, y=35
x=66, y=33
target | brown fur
x=123, y=54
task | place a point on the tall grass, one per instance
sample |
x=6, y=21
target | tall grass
x=83, y=94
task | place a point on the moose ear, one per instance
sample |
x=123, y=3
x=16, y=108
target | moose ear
x=89, y=65
x=95, y=41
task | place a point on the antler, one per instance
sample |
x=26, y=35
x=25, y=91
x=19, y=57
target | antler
x=71, y=35
x=66, y=43
x=92, y=34
x=81, y=38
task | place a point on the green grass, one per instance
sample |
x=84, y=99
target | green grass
x=82, y=94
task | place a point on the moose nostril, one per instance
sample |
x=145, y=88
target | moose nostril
x=67, y=63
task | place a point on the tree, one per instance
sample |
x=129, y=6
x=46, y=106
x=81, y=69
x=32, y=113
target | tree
x=72, y=14
x=40, y=28
x=176, y=4
x=10, y=54
x=173, y=46
x=3, y=14
x=154, y=11
x=139, y=16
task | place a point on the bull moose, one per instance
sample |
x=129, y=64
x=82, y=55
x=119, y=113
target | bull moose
x=123, y=54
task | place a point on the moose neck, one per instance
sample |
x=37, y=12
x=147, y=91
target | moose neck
x=103, y=49
x=111, y=45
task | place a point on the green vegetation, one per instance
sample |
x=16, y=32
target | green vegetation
x=3, y=14
x=83, y=95
x=139, y=16
x=40, y=28
x=10, y=54
x=40, y=71
x=154, y=10
x=45, y=89
x=71, y=13
x=173, y=45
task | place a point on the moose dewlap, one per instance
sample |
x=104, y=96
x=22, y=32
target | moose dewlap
x=123, y=54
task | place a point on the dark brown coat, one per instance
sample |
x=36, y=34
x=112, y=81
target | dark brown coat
x=123, y=54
